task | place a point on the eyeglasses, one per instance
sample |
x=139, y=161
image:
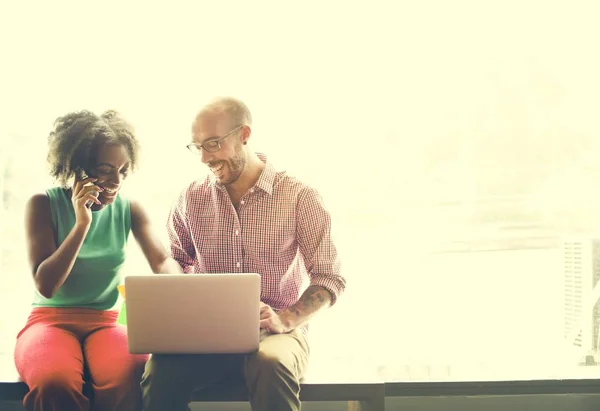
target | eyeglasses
x=211, y=146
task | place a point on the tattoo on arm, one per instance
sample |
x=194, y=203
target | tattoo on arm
x=314, y=298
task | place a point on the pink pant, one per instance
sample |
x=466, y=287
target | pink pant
x=58, y=344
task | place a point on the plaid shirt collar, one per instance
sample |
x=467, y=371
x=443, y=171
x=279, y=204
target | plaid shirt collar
x=265, y=182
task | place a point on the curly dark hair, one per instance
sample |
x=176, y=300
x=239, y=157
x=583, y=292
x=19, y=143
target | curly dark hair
x=77, y=136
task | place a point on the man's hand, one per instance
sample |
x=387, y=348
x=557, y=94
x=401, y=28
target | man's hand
x=271, y=321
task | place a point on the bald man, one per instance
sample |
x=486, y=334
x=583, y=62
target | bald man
x=248, y=217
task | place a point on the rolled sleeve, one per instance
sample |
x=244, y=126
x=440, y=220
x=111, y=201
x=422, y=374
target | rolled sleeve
x=316, y=245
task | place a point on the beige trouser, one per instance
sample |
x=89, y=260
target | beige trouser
x=272, y=375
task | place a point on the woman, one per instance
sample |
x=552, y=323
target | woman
x=77, y=236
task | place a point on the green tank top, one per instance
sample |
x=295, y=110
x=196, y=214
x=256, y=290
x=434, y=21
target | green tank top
x=93, y=280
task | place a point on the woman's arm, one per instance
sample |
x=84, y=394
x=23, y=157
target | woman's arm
x=51, y=265
x=159, y=259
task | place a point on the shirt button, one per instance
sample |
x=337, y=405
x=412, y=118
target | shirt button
x=242, y=202
x=237, y=232
x=238, y=265
x=251, y=190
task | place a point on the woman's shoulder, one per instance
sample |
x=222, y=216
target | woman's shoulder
x=39, y=200
x=38, y=206
x=43, y=200
x=135, y=206
x=56, y=194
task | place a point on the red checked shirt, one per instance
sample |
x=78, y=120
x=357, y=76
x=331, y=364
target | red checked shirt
x=281, y=230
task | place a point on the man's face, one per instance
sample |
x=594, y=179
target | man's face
x=228, y=163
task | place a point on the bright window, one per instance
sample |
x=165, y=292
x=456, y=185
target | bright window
x=455, y=144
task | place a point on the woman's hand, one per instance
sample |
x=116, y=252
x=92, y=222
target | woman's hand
x=85, y=193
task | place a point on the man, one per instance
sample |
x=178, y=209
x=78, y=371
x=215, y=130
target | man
x=247, y=217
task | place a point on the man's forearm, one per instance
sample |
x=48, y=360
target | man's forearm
x=314, y=299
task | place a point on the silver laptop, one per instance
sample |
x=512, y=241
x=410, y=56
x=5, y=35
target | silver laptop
x=193, y=313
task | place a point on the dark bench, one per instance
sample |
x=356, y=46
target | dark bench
x=367, y=395
x=491, y=388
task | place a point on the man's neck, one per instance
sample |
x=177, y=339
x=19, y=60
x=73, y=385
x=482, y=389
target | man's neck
x=247, y=179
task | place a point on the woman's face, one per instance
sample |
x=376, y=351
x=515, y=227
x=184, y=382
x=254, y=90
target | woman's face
x=111, y=168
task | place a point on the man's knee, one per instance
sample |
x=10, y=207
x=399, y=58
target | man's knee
x=272, y=383
x=169, y=380
x=268, y=365
x=161, y=370
x=159, y=383
x=281, y=355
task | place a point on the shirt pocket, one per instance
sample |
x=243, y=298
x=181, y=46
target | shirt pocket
x=207, y=235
